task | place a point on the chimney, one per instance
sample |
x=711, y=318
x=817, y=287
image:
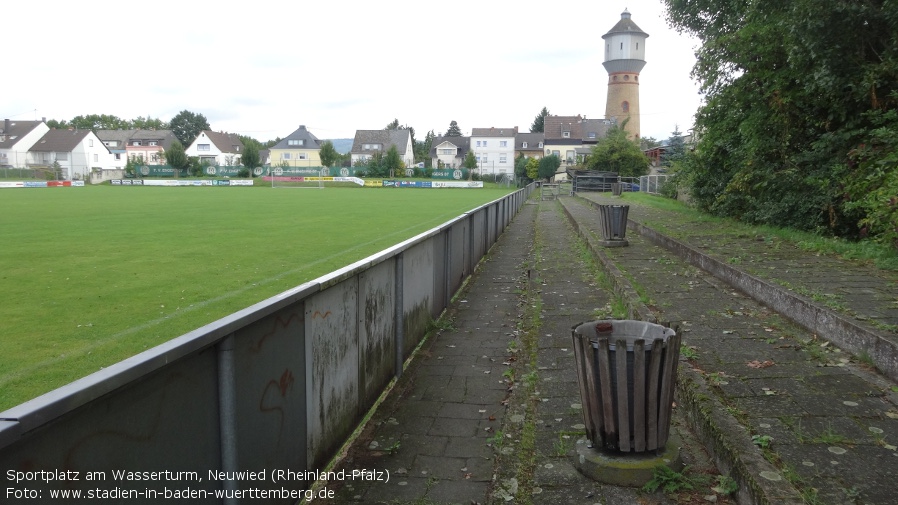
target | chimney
x=6, y=126
x=302, y=127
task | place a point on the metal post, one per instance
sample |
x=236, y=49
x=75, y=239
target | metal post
x=397, y=316
x=227, y=412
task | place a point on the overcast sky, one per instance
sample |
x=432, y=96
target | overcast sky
x=262, y=68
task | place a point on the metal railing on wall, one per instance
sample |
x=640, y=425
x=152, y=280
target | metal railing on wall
x=276, y=387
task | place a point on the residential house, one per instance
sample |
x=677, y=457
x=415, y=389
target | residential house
x=300, y=149
x=449, y=152
x=16, y=137
x=78, y=152
x=217, y=148
x=150, y=145
x=529, y=145
x=368, y=142
x=494, y=149
x=563, y=135
x=116, y=141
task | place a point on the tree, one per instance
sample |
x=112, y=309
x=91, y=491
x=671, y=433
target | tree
x=617, y=153
x=392, y=162
x=532, y=168
x=470, y=162
x=148, y=123
x=187, y=125
x=96, y=122
x=393, y=125
x=422, y=149
x=250, y=157
x=328, y=154
x=547, y=167
x=520, y=166
x=676, y=150
x=539, y=122
x=454, y=130
x=792, y=89
x=176, y=156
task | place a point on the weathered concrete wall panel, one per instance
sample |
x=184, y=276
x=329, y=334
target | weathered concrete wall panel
x=168, y=421
x=417, y=293
x=331, y=318
x=377, y=335
x=270, y=384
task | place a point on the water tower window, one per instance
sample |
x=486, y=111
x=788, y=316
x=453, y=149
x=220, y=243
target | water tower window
x=625, y=106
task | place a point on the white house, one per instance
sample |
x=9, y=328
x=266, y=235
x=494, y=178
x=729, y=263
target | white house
x=368, y=142
x=217, y=148
x=77, y=152
x=449, y=152
x=494, y=149
x=16, y=137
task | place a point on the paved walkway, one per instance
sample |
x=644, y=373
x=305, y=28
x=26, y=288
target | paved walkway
x=489, y=410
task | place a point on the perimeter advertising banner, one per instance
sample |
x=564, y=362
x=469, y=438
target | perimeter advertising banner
x=41, y=184
x=176, y=183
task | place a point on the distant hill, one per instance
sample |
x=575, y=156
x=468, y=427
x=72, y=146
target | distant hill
x=342, y=146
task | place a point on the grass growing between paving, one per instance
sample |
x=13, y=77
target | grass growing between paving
x=882, y=256
x=96, y=274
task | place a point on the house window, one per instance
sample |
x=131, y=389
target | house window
x=96, y=158
x=301, y=156
x=485, y=156
x=295, y=142
x=203, y=147
x=90, y=142
x=285, y=156
x=591, y=135
x=118, y=156
x=154, y=157
x=62, y=156
x=502, y=159
x=503, y=143
x=478, y=143
x=446, y=151
x=135, y=143
x=540, y=145
x=566, y=135
x=524, y=145
x=484, y=143
x=556, y=153
x=154, y=143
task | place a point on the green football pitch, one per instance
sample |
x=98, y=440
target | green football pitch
x=90, y=276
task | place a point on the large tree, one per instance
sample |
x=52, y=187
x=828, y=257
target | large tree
x=187, y=125
x=176, y=156
x=454, y=130
x=547, y=167
x=793, y=90
x=328, y=154
x=392, y=162
x=250, y=157
x=539, y=122
x=617, y=153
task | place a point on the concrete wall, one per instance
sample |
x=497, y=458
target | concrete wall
x=280, y=385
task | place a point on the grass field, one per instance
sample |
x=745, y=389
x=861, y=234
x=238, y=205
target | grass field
x=90, y=276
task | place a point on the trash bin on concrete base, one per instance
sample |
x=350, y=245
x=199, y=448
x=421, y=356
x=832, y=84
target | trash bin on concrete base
x=613, y=224
x=627, y=371
x=616, y=189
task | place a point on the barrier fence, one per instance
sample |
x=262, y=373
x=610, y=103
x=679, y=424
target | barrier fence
x=272, y=391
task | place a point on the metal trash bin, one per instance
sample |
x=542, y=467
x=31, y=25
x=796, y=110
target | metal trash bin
x=627, y=397
x=616, y=189
x=613, y=224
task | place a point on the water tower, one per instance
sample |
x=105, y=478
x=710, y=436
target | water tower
x=624, y=59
